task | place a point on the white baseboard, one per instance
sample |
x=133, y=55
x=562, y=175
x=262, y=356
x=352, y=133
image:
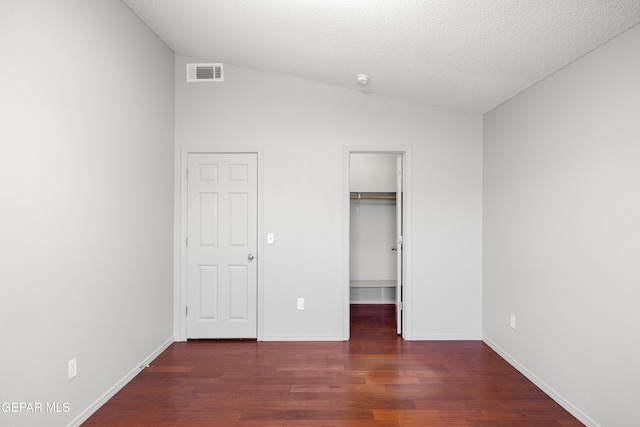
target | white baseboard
x=84, y=416
x=371, y=301
x=303, y=338
x=581, y=416
x=444, y=337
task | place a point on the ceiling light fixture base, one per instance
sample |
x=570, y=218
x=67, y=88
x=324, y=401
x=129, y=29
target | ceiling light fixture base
x=363, y=79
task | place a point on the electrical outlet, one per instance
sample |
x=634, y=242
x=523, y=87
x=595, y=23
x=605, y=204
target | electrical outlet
x=271, y=238
x=72, y=368
x=300, y=303
x=512, y=321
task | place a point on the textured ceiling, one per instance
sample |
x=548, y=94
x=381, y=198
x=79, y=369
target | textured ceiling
x=465, y=55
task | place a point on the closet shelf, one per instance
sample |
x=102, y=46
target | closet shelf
x=372, y=283
x=368, y=195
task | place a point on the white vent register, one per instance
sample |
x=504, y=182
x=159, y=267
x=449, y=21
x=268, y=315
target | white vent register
x=205, y=72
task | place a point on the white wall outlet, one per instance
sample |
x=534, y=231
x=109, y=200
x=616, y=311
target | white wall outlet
x=512, y=321
x=72, y=368
x=271, y=238
x=300, y=303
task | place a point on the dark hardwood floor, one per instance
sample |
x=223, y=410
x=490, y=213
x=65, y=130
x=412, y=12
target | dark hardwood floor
x=375, y=379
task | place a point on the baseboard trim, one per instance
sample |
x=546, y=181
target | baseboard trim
x=581, y=416
x=444, y=337
x=370, y=301
x=303, y=338
x=84, y=416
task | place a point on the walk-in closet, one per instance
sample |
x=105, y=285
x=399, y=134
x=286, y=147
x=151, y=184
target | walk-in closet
x=374, y=228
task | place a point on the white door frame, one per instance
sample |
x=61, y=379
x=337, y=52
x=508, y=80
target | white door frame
x=406, y=297
x=180, y=237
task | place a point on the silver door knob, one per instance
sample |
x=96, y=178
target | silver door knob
x=394, y=248
x=251, y=257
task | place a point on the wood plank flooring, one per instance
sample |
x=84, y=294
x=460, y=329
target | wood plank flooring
x=375, y=379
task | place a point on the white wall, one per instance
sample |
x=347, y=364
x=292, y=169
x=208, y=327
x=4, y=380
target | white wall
x=304, y=129
x=562, y=232
x=372, y=234
x=373, y=221
x=86, y=175
x=373, y=172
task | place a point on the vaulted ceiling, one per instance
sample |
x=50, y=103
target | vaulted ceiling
x=465, y=55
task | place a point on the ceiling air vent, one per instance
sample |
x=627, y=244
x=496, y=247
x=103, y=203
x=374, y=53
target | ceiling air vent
x=205, y=73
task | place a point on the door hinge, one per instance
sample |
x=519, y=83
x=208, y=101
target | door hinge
x=186, y=310
x=187, y=174
x=186, y=242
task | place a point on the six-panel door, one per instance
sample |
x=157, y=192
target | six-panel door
x=222, y=243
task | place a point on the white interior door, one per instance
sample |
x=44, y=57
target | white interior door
x=399, y=243
x=221, y=245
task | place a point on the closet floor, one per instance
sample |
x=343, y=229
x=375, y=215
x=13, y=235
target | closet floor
x=375, y=379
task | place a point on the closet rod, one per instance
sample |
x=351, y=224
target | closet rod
x=373, y=196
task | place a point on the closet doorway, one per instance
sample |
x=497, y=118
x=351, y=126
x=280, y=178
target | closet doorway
x=376, y=230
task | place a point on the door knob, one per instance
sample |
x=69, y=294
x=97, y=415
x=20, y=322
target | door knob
x=251, y=257
x=393, y=248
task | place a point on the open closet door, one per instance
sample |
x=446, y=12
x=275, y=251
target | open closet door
x=399, y=241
